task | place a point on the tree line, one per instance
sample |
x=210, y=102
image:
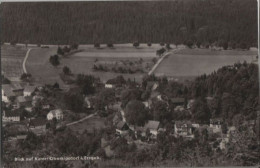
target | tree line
x=200, y=22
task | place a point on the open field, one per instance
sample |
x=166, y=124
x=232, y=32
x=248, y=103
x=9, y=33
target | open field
x=11, y=61
x=89, y=125
x=82, y=62
x=192, y=62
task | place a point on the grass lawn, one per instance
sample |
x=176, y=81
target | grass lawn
x=193, y=62
x=89, y=125
x=11, y=61
x=82, y=62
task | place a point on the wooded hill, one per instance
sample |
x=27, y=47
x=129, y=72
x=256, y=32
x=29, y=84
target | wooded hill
x=203, y=21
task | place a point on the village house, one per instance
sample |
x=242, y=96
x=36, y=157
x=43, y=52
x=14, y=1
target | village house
x=17, y=89
x=183, y=128
x=147, y=104
x=28, y=90
x=190, y=103
x=110, y=84
x=122, y=128
x=37, y=125
x=153, y=85
x=11, y=116
x=215, y=125
x=7, y=93
x=153, y=127
x=23, y=101
x=178, y=101
x=57, y=113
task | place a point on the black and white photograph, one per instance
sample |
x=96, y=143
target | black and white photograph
x=121, y=84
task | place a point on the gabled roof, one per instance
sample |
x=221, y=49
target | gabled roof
x=29, y=89
x=20, y=99
x=9, y=113
x=183, y=124
x=120, y=125
x=7, y=88
x=16, y=86
x=152, y=125
x=56, y=112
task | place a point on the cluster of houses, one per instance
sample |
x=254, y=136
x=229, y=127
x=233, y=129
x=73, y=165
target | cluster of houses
x=26, y=97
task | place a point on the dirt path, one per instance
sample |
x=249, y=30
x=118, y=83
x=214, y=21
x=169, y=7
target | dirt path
x=25, y=59
x=83, y=119
x=160, y=60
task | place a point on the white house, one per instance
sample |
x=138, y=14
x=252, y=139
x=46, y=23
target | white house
x=216, y=124
x=122, y=128
x=28, y=90
x=7, y=93
x=11, y=116
x=153, y=127
x=110, y=86
x=58, y=114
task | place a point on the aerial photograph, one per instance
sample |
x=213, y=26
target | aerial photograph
x=104, y=84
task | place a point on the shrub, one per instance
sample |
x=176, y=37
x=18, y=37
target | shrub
x=136, y=44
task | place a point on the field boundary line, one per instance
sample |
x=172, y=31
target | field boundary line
x=25, y=59
x=160, y=60
x=75, y=122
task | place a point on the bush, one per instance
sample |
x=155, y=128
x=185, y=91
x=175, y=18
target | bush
x=189, y=43
x=225, y=45
x=54, y=60
x=97, y=45
x=110, y=45
x=136, y=44
x=168, y=46
x=66, y=70
x=162, y=44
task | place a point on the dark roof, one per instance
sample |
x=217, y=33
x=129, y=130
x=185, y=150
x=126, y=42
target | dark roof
x=111, y=81
x=177, y=100
x=16, y=86
x=20, y=99
x=11, y=113
x=38, y=122
x=8, y=90
x=29, y=89
x=216, y=120
x=183, y=124
x=152, y=125
x=120, y=125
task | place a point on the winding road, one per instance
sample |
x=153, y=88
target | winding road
x=25, y=59
x=83, y=119
x=161, y=59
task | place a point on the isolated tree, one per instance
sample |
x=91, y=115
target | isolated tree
x=160, y=51
x=97, y=45
x=136, y=113
x=66, y=70
x=225, y=45
x=66, y=49
x=56, y=85
x=25, y=77
x=168, y=46
x=74, y=101
x=189, y=43
x=136, y=44
x=54, y=60
x=60, y=51
x=110, y=45
x=162, y=43
x=74, y=46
